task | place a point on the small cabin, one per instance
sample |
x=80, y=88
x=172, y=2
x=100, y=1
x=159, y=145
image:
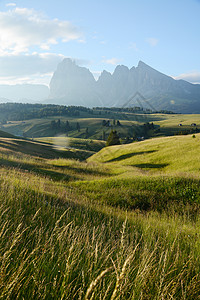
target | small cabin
x=180, y=124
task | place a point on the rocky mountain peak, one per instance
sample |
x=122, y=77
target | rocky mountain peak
x=120, y=70
x=76, y=85
x=104, y=75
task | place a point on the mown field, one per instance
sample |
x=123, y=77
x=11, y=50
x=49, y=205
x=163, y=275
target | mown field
x=123, y=224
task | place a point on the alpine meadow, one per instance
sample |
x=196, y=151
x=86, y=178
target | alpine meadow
x=99, y=150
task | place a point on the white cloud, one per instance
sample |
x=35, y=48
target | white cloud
x=193, y=77
x=111, y=61
x=21, y=28
x=33, y=79
x=152, y=41
x=11, y=4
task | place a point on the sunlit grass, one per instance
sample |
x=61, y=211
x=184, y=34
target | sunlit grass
x=162, y=155
x=90, y=230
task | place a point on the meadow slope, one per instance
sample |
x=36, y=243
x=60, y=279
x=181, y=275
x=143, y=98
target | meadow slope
x=122, y=225
x=169, y=155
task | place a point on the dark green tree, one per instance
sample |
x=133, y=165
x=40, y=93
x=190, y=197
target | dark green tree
x=113, y=139
x=78, y=126
x=86, y=133
x=53, y=124
x=67, y=126
x=58, y=124
x=104, y=135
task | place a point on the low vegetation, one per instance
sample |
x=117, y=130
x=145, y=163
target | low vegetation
x=131, y=124
x=123, y=224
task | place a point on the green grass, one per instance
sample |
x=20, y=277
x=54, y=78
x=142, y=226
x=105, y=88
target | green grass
x=101, y=229
x=169, y=155
x=131, y=125
x=77, y=143
x=39, y=149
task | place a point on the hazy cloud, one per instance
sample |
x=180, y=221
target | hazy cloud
x=21, y=28
x=33, y=79
x=133, y=46
x=152, y=41
x=82, y=41
x=23, y=65
x=11, y=4
x=111, y=61
x=31, y=68
x=193, y=77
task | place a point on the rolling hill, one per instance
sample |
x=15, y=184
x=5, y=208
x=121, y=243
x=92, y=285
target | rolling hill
x=168, y=155
x=123, y=224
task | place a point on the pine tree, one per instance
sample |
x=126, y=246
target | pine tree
x=104, y=135
x=86, y=133
x=78, y=126
x=113, y=138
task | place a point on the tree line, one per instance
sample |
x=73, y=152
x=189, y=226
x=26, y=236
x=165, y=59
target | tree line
x=24, y=111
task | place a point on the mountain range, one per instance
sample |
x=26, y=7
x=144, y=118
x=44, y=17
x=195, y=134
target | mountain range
x=139, y=86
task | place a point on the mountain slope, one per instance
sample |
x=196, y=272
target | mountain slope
x=73, y=85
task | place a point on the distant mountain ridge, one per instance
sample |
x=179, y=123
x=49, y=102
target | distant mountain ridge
x=75, y=85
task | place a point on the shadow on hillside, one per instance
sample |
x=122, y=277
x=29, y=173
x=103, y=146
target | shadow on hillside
x=150, y=166
x=46, y=170
x=129, y=155
x=83, y=170
x=40, y=150
x=30, y=148
x=54, y=175
x=76, y=209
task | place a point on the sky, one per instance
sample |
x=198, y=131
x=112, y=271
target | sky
x=35, y=35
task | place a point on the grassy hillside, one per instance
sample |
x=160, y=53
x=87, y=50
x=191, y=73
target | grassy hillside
x=5, y=134
x=91, y=126
x=77, y=143
x=120, y=226
x=169, y=155
x=19, y=146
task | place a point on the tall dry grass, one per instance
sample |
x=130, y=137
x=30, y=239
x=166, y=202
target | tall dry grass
x=53, y=249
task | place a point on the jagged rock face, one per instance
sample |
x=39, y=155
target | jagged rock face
x=74, y=85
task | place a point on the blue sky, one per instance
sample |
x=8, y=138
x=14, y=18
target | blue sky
x=35, y=35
